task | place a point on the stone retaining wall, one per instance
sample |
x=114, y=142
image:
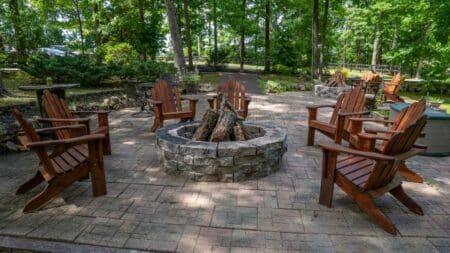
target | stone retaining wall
x=223, y=161
x=329, y=92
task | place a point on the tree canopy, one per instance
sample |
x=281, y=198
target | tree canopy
x=276, y=34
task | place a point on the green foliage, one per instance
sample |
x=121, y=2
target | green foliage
x=121, y=53
x=346, y=72
x=277, y=86
x=282, y=69
x=67, y=69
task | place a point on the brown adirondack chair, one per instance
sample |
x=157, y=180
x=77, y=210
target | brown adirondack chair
x=348, y=104
x=59, y=115
x=71, y=160
x=392, y=88
x=358, y=137
x=166, y=101
x=235, y=92
x=371, y=82
x=365, y=176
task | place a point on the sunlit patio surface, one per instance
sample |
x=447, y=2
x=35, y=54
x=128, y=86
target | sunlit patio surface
x=145, y=209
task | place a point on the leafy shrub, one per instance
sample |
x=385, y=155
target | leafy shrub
x=282, y=69
x=278, y=86
x=67, y=69
x=345, y=72
x=120, y=53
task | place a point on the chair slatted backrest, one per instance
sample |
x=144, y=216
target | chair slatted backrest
x=57, y=108
x=32, y=136
x=348, y=102
x=383, y=171
x=412, y=114
x=397, y=81
x=234, y=91
x=169, y=96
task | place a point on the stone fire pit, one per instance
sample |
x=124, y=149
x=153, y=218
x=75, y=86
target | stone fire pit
x=229, y=161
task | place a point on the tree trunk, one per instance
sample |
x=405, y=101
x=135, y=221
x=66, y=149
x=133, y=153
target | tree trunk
x=242, y=41
x=376, y=48
x=141, y=8
x=188, y=34
x=215, y=32
x=323, y=37
x=314, y=38
x=207, y=125
x=224, y=127
x=18, y=34
x=80, y=24
x=419, y=68
x=98, y=36
x=267, y=38
x=175, y=35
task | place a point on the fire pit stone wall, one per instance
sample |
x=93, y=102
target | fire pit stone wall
x=321, y=90
x=230, y=161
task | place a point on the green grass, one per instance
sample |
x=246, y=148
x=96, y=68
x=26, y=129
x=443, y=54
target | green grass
x=445, y=99
x=12, y=81
x=278, y=83
x=212, y=78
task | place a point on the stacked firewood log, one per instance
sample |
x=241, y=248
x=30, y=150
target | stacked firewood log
x=336, y=80
x=221, y=125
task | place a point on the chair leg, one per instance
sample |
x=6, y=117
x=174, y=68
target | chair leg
x=311, y=133
x=51, y=191
x=107, y=145
x=30, y=184
x=156, y=124
x=401, y=196
x=368, y=206
x=410, y=175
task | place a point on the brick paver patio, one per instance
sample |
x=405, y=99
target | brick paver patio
x=145, y=209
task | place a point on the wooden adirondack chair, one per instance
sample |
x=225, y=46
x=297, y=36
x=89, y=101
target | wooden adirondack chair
x=371, y=82
x=235, y=92
x=391, y=89
x=404, y=118
x=365, y=176
x=59, y=115
x=348, y=104
x=166, y=101
x=71, y=160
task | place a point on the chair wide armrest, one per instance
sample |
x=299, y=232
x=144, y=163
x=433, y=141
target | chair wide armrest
x=188, y=98
x=74, y=120
x=383, y=131
x=81, y=139
x=347, y=114
x=52, y=129
x=81, y=112
x=341, y=149
x=320, y=106
x=156, y=102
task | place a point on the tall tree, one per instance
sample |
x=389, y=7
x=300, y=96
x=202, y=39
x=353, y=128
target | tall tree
x=314, y=38
x=19, y=38
x=76, y=4
x=267, y=37
x=98, y=35
x=242, y=40
x=142, y=29
x=323, y=37
x=376, y=47
x=187, y=25
x=175, y=35
x=215, y=32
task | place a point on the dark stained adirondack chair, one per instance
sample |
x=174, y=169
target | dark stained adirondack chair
x=371, y=83
x=348, y=104
x=409, y=115
x=235, y=92
x=365, y=176
x=392, y=88
x=59, y=114
x=71, y=160
x=166, y=101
